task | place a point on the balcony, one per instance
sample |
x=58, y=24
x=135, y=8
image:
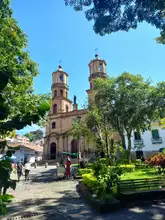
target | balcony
x=138, y=142
x=157, y=140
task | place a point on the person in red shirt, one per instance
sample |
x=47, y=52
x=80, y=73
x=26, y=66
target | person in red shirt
x=67, y=167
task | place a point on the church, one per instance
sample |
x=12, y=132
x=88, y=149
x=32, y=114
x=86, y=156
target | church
x=63, y=112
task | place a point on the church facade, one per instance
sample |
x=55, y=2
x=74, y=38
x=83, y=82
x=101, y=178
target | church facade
x=63, y=113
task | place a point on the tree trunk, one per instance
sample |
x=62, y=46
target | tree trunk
x=129, y=148
x=123, y=141
x=112, y=151
x=107, y=147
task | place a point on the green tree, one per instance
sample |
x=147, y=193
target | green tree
x=122, y=15
x=130, y=103
x=96, y=130
x=35, y=135
x=19, y=106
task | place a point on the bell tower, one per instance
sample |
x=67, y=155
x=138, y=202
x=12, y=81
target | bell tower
x=60, y=102
x=97, y=68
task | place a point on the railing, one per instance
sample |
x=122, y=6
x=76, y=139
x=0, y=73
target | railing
x=157, y=140
x=138, y=141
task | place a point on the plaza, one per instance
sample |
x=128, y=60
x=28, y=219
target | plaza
x=44, y=198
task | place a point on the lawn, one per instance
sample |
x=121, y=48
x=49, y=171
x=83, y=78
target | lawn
x=141, y=174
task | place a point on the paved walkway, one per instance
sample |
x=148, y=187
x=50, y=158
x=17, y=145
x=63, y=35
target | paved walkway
x=43, y=198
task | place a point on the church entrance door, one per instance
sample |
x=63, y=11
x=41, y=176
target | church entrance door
x=53, y=150
x=74, y=147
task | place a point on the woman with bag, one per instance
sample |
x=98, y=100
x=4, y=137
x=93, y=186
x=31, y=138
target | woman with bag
x=19, y=171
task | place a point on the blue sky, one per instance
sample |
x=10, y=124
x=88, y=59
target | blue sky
x=56, y=32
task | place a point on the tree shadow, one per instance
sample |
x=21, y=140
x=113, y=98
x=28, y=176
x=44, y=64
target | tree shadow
x=69, y=205
x=48, y=176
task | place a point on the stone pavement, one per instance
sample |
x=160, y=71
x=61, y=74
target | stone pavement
x=44, y=198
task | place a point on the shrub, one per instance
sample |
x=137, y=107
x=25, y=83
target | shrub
x=138, y=161
x=103, y=178
x=84, y=171
x=127, y=168
x=5, y=181
x=158, y=160
x=142, y=166
x=4, y=200
x=107, y=197
x=104, y=161
x=93, y=184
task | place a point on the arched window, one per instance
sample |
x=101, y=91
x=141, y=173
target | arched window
x=66, y=94
x=62, y=77
x=101, y=67
x=54, y=108
x=53, y=125
x=66, y=108
x=61, y=92
x=55, y=93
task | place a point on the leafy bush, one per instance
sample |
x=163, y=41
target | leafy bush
x=102, y=179
x=127, y=168
x=5, y=181
x=4, y=200
x=95, y=185
x=84, y=171
x=142, y=166
x=158, y=160
x=138, y=161
x=107, y=197
x=104, y=161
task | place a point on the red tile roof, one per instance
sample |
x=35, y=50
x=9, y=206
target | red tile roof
x=29, y=145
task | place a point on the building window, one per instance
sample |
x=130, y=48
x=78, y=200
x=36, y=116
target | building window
x=101, y=67
x=61, y=92
x=55, y=93
x=62, y=77
x=137, y=136
x=66, y=108
x=53, y=125
x=155, y=134
x=156, y=139
x=54, y=108
x=66, y=94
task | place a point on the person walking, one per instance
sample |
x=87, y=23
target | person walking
x=19, y=171
x=27, y=170
x=67, y=167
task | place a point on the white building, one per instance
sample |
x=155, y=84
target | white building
x=28, y=152
x=148, y=142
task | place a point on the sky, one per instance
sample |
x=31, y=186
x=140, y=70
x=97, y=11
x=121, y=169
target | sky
x=56, y=32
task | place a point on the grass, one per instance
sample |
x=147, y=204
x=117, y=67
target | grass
x=74, y=165
x=141, y=174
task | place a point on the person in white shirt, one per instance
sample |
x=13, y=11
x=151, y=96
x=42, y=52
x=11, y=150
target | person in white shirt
x=27, y=170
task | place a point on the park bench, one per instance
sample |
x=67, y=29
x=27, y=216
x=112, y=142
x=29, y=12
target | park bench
x=149, y=187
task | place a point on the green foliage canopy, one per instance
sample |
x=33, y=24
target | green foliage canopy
x=19, y=106
x=35, y=135
x=122, y=15
x=130, y=103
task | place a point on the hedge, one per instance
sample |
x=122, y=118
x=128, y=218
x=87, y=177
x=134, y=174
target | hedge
x=84, y=171
x=126, y=167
